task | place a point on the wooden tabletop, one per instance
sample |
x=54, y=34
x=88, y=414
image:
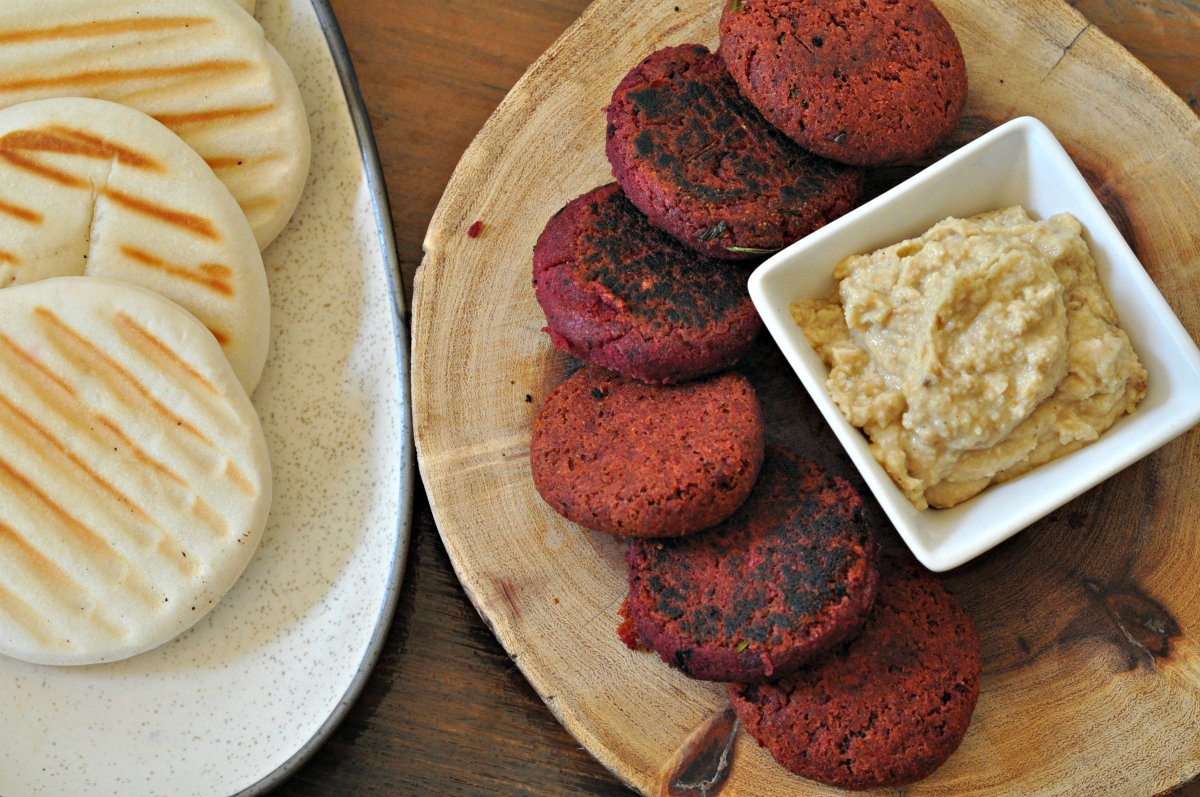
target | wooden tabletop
x=445, y=711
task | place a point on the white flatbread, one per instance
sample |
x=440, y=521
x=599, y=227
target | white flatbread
x=201, y=67
x=92, y=187
x=134, y=477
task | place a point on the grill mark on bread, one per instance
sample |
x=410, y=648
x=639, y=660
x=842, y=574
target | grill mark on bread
x=30, y=364
x=261, y=202
x=102, y=28
x=175, y=120
x=140, y=526
x=42, y=382
x=108, y=78
x=202, y=390
x=213, y=276
x=227, y=162
x=78, y=348
x=198, y=225
x=239, y=479
x=138, y=452
x=63, y=140
x=72, y=346
x=100, y=552
x=16, y=148
x=204, y=72
x=160, y=99
x=19, y=546
x=33, y=166
x=216, y=271
x=40, y=439
x=80, y=142
x=23, y=425
x=154, y=349
x=21, y=213
x=220, y=162
x=25, y=616
x=170, y=549
x=153, y=538
x=9, y=257
x=203, y=511
x=62, y=588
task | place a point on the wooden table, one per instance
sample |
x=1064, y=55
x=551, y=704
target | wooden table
x=446, y=712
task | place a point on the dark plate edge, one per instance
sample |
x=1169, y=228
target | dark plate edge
x=383, y=228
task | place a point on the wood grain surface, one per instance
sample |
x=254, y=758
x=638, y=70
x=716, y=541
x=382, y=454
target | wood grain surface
x=446, y=712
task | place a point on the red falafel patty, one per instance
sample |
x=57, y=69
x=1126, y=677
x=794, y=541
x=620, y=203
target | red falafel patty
x=788, y=576
x=886, y=709
x=703, y=164
x=864, y=82
x=620, y=456
x=622, y=294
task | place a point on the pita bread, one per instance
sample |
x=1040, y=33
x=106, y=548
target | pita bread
x=92, y=187
x=201, y=67
x=134, y=477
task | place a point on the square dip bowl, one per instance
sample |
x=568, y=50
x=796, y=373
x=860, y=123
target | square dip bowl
x=1018, y=163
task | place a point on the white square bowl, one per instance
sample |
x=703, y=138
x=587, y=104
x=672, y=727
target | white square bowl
x=1018, y=163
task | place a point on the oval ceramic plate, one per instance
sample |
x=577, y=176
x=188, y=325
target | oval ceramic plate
x=1088, y=618
x=239, y=701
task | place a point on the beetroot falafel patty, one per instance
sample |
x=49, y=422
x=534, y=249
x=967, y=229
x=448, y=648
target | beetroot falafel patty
x=886, y=709
x=621, y=294
x=788, y=576
x=865, y=82
x=620, y=456
x=704, y=165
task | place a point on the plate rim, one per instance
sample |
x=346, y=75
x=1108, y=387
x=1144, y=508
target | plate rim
x=381, y=207
x=399, y=535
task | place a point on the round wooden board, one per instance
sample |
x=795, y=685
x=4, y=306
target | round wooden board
x=1091, y=672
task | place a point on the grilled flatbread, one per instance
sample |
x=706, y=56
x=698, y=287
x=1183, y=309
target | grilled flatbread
x=201, y=67
x=92, y=187
x=134, y=477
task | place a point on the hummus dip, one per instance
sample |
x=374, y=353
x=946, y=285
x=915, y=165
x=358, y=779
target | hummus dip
x=975, y=352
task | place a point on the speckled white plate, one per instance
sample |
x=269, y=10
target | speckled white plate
x=238, y=702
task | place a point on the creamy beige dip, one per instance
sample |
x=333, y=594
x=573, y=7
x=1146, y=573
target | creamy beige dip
x=975, y=352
